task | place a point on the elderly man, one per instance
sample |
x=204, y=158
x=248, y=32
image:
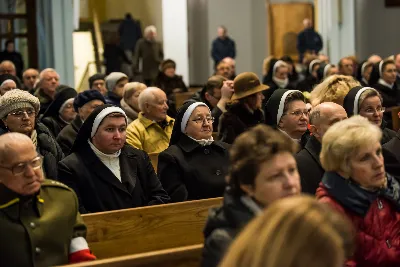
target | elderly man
x=321, y=118
x=7, y=67
x=346, y=66
x=49, y=81
x=232, y=64
x=223, y=46
x=30, y=77
x=152, y=130
x=308, y=40
x=151, y=53
x=84, y=104
x=98, y=82
x=6, y=86
x=39, y=218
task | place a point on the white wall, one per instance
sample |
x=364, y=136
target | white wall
x=175, y=32
x=377, y=28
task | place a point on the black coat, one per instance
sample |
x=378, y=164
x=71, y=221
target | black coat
x=184, y=175
x=222, y=226
x=390, y=97
x=99, y=190
x=392, y=156
x=54, y=125
x=236, y=121
x=113, y=99
x=222, y=48
x=308, y=84
x=309, y=166
x=387, y=134
x=67, y=136
x=168, y=84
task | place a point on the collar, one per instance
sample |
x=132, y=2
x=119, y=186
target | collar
x=382, y=82
x=103, y=156
x=251, y=204
x=130, y=112
x=188, y=144
x=11, y=201
x=147, y=123
x=282, y=131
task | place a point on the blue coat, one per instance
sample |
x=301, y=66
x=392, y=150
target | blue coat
x=222, y=48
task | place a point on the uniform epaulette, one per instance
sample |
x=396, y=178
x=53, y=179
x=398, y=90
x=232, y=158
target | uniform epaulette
x=48, y=182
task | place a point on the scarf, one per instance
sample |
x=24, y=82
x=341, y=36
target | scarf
x=34, y=137
x=357, y=199
x=282, y=83
x=203, y=142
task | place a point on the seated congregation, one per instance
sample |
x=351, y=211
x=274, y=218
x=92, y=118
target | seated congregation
x=239, y=158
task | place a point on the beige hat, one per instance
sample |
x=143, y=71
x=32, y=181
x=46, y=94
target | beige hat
x=16, y=99
x=247, y=83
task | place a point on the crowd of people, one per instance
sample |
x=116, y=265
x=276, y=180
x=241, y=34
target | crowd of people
x=307, y=161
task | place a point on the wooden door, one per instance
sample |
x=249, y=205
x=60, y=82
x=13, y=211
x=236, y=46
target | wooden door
x=285, y=22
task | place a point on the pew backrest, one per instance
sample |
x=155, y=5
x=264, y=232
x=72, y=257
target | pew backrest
x=180, y=98
x=188, y=256
x=139, y=230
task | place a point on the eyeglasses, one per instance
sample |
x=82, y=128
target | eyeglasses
x=20, y=168
x=201, y=120
x=371, y=111
x=20, y=113
x=298, y=113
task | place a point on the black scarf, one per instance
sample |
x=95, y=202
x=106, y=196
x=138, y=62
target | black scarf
x=353, y=197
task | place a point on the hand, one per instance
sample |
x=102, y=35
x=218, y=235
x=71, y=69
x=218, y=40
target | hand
x=227, y=90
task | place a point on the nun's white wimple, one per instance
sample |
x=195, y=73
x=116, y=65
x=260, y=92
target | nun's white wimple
x=189, y=112
x=100, y=117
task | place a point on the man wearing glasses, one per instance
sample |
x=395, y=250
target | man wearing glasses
x=39, y=218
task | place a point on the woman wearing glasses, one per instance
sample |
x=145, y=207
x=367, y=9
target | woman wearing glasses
x=195, y=165
x=18, y=113
x=286, y=110
x=367, y=102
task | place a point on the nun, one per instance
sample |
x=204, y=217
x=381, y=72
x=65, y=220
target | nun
x=277, y=78
x=61, y=111
x=326, y=70
x=383, y=79
x=195, y=165
x=105, y=173
x=286, y=111
x=311, y=77
x=367, y=102
x=364, y=72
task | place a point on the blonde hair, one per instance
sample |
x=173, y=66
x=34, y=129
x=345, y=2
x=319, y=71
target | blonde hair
x=130, y=89
x=266, y=64
x=293, y=232
x=338, y=148
x=332, y=89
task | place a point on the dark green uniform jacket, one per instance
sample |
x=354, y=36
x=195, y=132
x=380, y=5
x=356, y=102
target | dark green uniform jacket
x=37, y=230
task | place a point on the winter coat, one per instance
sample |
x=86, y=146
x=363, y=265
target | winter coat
x=391, y=98
x=151, y=53
x=54, y=125
x=375, y=216
x=184, y=175
x=309, y=40
x=168, y=84
x=222, y=48
x=129, y=111
x=387, y=134
x=223, y=225
x=113, y=99
x=130, y=31
x=67, y=136
x=309, y=166
x=99, y=190
x=148, y=135
x=308, y=84
x=392, y=156
x=237, y=120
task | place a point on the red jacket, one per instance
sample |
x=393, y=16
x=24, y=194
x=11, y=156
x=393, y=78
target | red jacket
x=378, y=232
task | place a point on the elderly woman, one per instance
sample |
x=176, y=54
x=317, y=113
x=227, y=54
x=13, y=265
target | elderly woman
x=262, y=171
x=245, y=110
x=367, y=102
x=277, y=78
x=311, y=78
x=167, y=80
x=105, y=173
x=326, y=70
x=364, y=72
x=286, y=110
x=356, y=184
x=333, y=89
x=18, y=113
x=293, y=232
x=61, y=111
x=130, y=101
x=181, y=167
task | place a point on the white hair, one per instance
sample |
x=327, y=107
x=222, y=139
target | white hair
x=149, y=29
x=43, y=72
x=8, y=81
x=147, y=96
x=7, y=62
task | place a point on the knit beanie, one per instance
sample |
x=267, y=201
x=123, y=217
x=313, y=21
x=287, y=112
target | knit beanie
x=97, y=76
x=168, y=63
x=16, y=99
x=87, y=96
x=113, y=78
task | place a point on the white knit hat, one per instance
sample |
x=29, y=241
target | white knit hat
x=16, y=99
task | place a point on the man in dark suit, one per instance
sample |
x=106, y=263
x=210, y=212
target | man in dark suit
x=321, y=118
x=308, y=40
x=222, y=46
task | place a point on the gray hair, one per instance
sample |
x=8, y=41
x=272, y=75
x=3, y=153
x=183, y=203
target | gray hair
x=5, y=62
x=149, y=29
x=147, y=96
x=43, y=72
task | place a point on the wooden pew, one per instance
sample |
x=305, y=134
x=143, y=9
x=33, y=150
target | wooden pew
x=154, y=160
x=131, y=231
x=180, y=98
x=195, y=89
x=188, y=256
x=395, y=118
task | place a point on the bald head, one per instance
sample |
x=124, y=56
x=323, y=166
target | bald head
x=153, y=103
x=7, y=67
x=324, y=116
x=307, y=23
x=374, y=59
x=11, y=144
x=30, y=77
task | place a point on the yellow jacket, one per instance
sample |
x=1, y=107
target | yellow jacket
x=147, y=135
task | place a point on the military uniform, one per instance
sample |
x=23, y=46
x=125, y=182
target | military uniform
x=37, y=230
